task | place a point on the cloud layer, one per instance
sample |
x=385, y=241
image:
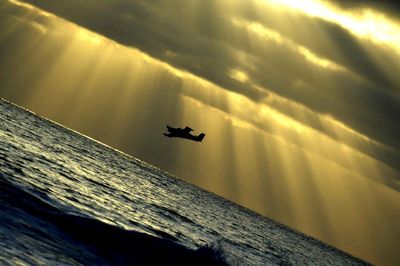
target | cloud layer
x=299, y=99
x=307, y=59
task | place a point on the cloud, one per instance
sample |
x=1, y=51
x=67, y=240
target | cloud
x=204, y=37
x=385, y=6
x=254, y=56
x=300, y=108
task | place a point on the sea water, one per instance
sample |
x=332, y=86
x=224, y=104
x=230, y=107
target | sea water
x=66, y=199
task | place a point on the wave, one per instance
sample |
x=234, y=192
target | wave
x=111, y=244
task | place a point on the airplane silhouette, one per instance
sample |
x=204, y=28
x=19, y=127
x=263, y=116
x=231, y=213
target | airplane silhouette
x=183, y=133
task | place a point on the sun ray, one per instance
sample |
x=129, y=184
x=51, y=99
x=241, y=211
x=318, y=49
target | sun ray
x=365, y=23
x=272, y=153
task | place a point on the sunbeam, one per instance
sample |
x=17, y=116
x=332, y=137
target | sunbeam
x=365, y=23
x=300, y=128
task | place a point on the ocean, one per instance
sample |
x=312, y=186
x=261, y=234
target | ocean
x=67, y=199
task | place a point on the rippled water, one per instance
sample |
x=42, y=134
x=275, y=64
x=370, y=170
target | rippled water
x=67, y=199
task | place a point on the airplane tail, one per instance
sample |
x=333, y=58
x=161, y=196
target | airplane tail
x=200, y=137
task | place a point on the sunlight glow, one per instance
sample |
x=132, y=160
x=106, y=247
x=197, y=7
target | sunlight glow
x=364, y=23
x=238, y=75
x=30, y=7
x=317, y=60
x=271, y=35
x=275, y=155
x=261, y=30
x=85, y=35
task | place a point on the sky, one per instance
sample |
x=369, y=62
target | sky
x=299, y=100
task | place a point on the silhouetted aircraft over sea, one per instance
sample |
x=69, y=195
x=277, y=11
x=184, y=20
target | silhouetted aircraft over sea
x=183, y=133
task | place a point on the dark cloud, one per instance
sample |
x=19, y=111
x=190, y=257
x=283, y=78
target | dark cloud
x=208, y=48
x=203, y=41
x=124, y=98
x=199, y=36
x=386, y=6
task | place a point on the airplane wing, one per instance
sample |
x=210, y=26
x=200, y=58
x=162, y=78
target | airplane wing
x=183, y=133
x=187, y=129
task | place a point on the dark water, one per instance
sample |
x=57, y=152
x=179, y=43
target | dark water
x=68, y=200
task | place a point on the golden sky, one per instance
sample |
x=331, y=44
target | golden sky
x=299, y=100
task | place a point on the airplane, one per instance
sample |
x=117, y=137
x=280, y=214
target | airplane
x=183, y=133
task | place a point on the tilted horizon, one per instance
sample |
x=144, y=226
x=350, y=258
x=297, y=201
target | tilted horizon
x=299, y=100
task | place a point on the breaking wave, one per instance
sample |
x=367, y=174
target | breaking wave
x=25, y=210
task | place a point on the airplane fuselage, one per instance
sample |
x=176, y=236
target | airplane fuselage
x=183, y=133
